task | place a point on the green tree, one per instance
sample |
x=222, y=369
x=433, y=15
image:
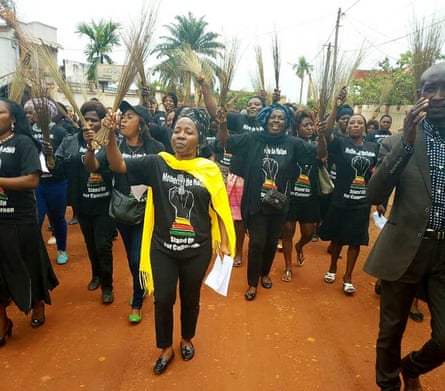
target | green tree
x=103, y=36
x=301, y=69
x=388, y=84
x=188, y=33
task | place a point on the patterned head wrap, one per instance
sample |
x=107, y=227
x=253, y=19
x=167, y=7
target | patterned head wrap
x=200, y=118
x=37, y=103
x=264, y=115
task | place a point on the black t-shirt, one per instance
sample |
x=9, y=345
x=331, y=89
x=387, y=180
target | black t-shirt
x=237, y=123
x=331, y=154
x=18, y=157
x=354, y=167
x=163, y=134
x=159, y=117
x=149, y=147
x=90, y=192
x=56, y=135
x=94, y=190
x=268, y=166
x=378, y=136
x=181, y=204
x=305, y=185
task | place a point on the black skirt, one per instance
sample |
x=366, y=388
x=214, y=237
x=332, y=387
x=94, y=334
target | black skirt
x=26, y=274
x=304, y=211
x=346, y=226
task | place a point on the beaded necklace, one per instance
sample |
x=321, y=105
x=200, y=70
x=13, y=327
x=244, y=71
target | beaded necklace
x=7, y=138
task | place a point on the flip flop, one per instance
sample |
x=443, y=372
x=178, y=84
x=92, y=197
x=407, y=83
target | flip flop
x=237, y=262
x=300, y=257
x=329, y=277
x=348, y=288
x=287, y=275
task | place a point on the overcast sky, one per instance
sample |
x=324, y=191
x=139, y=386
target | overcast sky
x=303, y=28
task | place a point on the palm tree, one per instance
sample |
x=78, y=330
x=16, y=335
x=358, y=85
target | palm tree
x=301, y=69
x=102, y=37
x=188, y=33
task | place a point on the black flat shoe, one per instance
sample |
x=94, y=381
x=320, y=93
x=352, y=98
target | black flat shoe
x=38, y=321
x=8, y=333
x=107, y=296
x=94, y=284
x=250, y=295
x=416, y=316
x=162, y=363
x=266, y=284
x=187, y=352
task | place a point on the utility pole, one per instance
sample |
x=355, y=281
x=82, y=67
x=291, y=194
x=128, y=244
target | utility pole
x=323, y=100
x=334, y=61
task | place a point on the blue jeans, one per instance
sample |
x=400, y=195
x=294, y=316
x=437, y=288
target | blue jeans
x=132, y=238
x=52, y=201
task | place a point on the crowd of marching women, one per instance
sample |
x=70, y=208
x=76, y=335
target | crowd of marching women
x=182, y=185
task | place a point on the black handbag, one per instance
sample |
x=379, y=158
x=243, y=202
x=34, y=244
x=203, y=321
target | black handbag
x=125, y=209
x=275, y=199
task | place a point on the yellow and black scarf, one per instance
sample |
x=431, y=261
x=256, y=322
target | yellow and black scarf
x=209, y=174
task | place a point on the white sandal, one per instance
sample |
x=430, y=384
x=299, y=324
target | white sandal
x=329, y=277
x=348, y=288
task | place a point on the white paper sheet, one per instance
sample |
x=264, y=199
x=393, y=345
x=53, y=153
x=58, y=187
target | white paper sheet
x=219, y=277
x=138, y=191
x=43, y=166
x=379, y=221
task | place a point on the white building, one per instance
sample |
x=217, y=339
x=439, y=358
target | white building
x=10, y=49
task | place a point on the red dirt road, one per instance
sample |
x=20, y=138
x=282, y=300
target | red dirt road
x=302, y=335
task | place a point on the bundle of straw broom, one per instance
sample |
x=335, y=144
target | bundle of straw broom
x=137, y=52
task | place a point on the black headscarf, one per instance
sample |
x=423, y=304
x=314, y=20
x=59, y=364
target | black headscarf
x=344, y=110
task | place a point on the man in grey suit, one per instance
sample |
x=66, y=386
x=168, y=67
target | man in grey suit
x=409, y=254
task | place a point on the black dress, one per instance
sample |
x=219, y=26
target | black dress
x=26, y=274
x=347, y=219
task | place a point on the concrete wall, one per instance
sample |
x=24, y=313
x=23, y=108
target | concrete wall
x=9, y=55
x=375, y=112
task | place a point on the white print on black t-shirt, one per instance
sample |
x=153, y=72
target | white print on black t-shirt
x=302, y=186
x=180, y=180
x=360, y=165
x=3, y=197
x=275, y=151
x=8, y=149
x=270, y=170
x=352, y=151
x=4, y=203
x=248, y=128
x=182, y=232
x=96, y=187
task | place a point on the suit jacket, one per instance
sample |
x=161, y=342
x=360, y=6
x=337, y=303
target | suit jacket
x=409, y=174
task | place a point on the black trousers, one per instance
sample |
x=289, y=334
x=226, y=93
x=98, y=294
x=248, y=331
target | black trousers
x=98, y=232
x=167, y=271
x=426, y=272
x=264, y=231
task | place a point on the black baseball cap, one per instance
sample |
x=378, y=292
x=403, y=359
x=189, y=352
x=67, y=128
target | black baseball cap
x=138, y=109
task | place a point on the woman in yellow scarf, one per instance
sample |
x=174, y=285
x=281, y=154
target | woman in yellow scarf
x=187, y=215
